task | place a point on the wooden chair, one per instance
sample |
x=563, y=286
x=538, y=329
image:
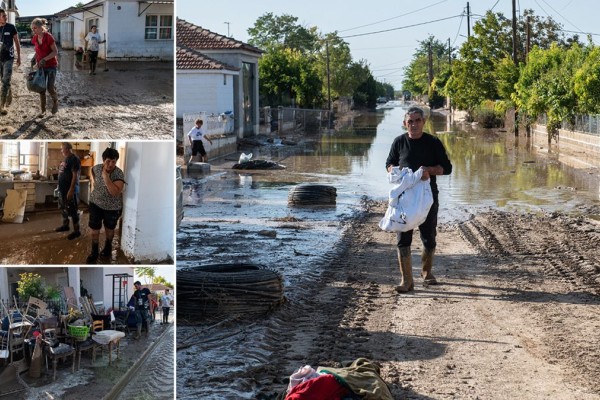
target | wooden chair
x=97, y=326
x=4, y=348
x=37, y=308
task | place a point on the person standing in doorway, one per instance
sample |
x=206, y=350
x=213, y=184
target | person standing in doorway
x=9, y=43
x=106, y=202
x=92, y=45
x=195, y=136
x=68, y=189
x=165, y=302
x=417, y=149
x=45, y=58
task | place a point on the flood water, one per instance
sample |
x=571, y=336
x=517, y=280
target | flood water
x=233, y=216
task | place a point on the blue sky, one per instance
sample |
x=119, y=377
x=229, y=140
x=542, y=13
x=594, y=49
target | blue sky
x=387, y=53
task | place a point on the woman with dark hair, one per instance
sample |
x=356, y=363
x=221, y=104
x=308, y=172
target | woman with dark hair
x=106, y=202
x=45, y=58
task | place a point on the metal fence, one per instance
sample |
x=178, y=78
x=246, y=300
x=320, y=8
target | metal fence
x=287, y=119
x=583, y=123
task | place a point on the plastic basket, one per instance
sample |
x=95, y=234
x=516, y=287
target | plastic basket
x=79, y=333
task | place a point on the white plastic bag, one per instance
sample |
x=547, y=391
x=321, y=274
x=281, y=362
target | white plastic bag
x=244, y=158
x=409, y=201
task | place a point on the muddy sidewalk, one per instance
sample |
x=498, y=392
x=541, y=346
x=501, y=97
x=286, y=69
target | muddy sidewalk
x=515, y=316
x=124, y=100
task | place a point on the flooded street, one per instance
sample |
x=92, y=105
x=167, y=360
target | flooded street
x=116, y=103
x=339, y=269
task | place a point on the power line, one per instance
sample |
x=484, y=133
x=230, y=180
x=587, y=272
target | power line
x=401, y=27
x=389, y=19
x=572, y=24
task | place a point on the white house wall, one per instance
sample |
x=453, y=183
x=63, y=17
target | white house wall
x=126, y=30
x=203, y=91
x=149, y=203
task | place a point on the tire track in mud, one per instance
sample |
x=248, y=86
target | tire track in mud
x=551, y=264
x=154, y=378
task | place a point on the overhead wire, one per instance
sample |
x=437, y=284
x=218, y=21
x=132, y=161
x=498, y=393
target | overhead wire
x=398, y=16
x=399, y=28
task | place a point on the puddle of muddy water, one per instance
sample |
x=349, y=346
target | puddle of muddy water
x=244, y=216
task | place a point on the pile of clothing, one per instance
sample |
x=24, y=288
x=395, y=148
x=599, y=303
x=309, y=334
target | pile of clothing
x=359, y=380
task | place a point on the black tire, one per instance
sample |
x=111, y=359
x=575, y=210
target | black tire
x=312, y=194
x=226, y=290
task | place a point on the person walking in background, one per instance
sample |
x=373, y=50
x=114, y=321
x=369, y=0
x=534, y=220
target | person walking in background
x=165, y=302
x=45, y=58
x=195, y=136
x=417, y=149
x=106, y=202
x=9, y=43
x=92, y=45
x=68, y=189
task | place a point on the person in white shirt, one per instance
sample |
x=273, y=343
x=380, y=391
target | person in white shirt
x=195, y=136
x=165, y=302
x=92, y=45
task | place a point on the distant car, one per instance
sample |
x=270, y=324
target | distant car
x=179, y=193
x=25, y=38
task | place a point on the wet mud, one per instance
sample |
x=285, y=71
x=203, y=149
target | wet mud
x=518, y=300
x=97, y=380
x=124, y=100
x=515, y=312
x=36, y=242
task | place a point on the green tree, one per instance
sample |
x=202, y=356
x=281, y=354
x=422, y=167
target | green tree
x=146, y=273
x=586, y=83
x=271, y=30
x=162, y=281
x=30, y=284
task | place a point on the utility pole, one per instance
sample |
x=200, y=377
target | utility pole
x=328, y=86
x=429, y=63
x=514, y=35
x=449, y=53
x=528, y=41
x=468, y=20
x=227, y=27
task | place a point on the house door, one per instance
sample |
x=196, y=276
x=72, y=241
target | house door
x=248, y=71
x=67, y=39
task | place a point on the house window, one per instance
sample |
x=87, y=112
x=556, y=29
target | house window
x=91, y=22
x=159, y=27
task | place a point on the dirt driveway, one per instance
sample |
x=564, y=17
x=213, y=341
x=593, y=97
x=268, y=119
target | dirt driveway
x=516, y=316
x=130, y=100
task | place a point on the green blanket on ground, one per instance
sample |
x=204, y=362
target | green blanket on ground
x=362, y=376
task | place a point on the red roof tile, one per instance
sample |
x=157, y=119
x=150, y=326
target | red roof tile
x=191, y=59
x=198, y=38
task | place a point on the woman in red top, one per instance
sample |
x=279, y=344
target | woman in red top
x=45, y=57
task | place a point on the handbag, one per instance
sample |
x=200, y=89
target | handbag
x=36, y=81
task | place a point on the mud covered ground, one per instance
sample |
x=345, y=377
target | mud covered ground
x=516, y=315
x=124, y=100
x=99, y=380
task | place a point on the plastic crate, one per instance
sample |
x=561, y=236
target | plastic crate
x=79, y=333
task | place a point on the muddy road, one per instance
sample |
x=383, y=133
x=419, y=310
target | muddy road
x=516, y=316
x=124, y=100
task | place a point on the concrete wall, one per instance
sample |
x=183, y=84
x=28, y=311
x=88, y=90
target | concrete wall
x=568, y=140
x=149, y=202
x=204, y=91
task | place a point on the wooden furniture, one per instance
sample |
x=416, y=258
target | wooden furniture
x=59, y=352
x=29, y=187
x=108, y=338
